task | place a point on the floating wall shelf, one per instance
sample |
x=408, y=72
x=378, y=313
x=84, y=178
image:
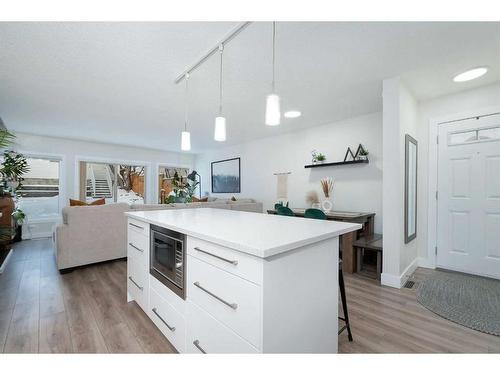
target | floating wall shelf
x=337, y=163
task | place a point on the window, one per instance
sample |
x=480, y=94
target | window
x=113, y=182
x=40, y=189
x=473, y=136
x=165, y=177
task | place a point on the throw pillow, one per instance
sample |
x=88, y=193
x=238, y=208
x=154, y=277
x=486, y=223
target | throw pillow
x=76, y=202
x=194, y=199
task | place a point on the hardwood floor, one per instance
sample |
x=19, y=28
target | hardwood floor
x=389, y=320
x=86, y=312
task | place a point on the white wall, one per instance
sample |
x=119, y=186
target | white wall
x=356, y=187
x=400, y=114
x=71, y=151
x=471, y=100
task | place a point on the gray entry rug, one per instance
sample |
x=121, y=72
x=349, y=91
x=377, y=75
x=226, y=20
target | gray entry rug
x=471, y=301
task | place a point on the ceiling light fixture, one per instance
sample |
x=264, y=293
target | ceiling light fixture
x=292, y=114
x=273, y=100
x=220, y=121
x=471, y=74
x=185, y=135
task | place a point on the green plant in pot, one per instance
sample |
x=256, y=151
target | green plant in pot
x=190, y=188
x=13, y=167
x=179, y=189
x=363, y=154
x=19, y=216
x=317, y=157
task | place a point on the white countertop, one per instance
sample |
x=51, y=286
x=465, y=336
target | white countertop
x=253, y=233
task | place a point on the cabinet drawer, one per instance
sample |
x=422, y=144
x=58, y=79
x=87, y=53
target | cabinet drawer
x=137, y=283
x=173, y=299
x=138, y=226
x=205, y=334
x=235, y=262
x=138, y=247
x=230, y=299
x=170, y=322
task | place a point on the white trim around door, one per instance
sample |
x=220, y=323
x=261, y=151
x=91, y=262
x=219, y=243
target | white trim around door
x=432, y=216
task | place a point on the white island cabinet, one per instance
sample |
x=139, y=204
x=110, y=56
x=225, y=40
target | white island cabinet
x=253, y=283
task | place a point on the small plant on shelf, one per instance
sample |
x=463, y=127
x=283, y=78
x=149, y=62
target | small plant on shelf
x=362, y=153
x=317, y=157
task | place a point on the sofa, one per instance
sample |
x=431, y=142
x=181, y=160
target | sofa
x=92, y=234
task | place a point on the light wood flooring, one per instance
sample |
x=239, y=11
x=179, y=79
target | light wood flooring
x=86, y=312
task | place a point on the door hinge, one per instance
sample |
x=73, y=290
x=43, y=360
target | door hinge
x=436, y=194
x=436, y=250
x=437, y=139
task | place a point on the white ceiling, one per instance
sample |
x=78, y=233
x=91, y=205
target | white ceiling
x=113, y=82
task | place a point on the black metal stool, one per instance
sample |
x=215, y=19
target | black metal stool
x=344, y=304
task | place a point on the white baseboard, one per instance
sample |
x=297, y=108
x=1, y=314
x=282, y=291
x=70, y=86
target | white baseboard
x=426, y=263
x=6, y=260
x=398, y=281
x=390, y=280
x=35, y=236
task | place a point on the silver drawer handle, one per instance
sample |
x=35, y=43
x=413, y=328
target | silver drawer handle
x=234, y=306
x=234, y=262
x=163, y=320
x=137, y=285
x=137, y=226
x=135, y=247
x=197, y=344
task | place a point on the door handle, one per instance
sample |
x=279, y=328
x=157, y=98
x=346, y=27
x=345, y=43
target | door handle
x=137, y=285
x=137, y=226
x=234, y=262
x=135, y=247
x=197, y=344
x=163, y=320
x=234, y=306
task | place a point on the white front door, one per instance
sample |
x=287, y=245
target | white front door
x=469, y=196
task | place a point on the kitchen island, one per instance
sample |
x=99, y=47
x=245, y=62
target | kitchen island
x=240, y=282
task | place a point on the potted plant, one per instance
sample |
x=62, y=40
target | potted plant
x=190, y=188
x=317, y=157
x=7, y=204
x=363, y=154
x=19, y=216
x=13, y=167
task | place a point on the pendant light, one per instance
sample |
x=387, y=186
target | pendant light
x=273, y=100
x=185, y=135
x=220, y=121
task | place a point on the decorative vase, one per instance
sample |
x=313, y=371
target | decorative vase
x=327, y=205
x=13, y=184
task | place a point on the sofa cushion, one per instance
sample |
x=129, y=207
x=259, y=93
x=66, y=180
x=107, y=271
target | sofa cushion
x=243, y=200
x=82, y=213
x=151, y=207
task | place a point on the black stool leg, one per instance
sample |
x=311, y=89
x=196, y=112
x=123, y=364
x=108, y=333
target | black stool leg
x=344, y=304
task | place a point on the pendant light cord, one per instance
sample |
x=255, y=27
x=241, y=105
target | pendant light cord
x=186, y=108
x=274, y=53
x=221, y=51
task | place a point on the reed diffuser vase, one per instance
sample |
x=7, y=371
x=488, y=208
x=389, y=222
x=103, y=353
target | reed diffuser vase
x=327, y=187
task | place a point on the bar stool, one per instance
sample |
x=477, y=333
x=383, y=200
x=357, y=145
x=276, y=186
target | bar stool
x=344, y=304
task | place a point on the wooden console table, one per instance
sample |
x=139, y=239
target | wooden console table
x=349, y=256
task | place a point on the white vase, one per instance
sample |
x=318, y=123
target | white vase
x=13, y=184
x=327, y=205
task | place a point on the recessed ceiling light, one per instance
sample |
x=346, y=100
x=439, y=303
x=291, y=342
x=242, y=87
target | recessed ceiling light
x=292, y=114
x=471, y=74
